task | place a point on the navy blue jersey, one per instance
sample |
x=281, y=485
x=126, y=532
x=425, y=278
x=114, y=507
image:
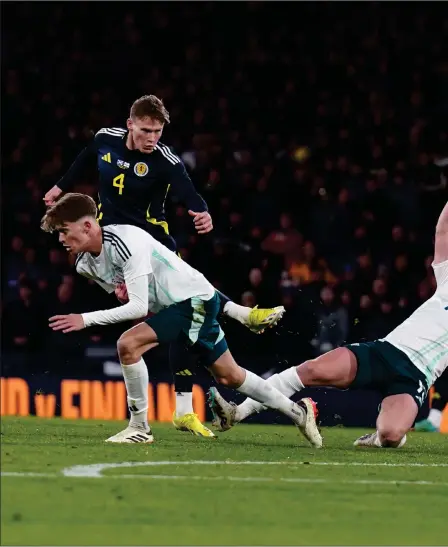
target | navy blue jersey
x=133, y=186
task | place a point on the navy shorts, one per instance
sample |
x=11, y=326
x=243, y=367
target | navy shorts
x=385, y=368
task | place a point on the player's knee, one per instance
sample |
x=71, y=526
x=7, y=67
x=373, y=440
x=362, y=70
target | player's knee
x=391, y=435
x=126, y=347
x=232, y=378
x=228, y=380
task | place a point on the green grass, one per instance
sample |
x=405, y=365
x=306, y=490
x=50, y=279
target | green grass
x=292, y=503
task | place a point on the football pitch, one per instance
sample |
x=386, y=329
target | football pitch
x=255, y=485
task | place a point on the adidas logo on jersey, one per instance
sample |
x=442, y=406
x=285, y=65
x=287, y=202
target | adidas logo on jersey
x=123, y=164
x=107, y=158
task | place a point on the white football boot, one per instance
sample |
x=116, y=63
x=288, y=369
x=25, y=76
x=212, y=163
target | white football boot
x=372, y=440
x=132, y=434
x=308, y=425
x=224, y=413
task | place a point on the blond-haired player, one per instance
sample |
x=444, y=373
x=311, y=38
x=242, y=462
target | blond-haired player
x=185, y=304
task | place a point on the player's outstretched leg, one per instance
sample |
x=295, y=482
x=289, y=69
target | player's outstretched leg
x=184, y=417
x=227, y=372
x=336, y=368
x=256, y=319
x=131, y=346
x=395, y=419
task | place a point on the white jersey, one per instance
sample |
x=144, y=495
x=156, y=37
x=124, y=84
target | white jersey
x=424, y=335
x=129, y=253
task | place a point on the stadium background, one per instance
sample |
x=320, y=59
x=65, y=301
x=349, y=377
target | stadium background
x=317, y=136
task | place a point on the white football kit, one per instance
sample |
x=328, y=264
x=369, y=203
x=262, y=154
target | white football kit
x=155, y=277
x=423, y=337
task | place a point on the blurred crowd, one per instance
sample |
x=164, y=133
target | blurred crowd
x=317, y=135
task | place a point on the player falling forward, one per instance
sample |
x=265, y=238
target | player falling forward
x=185, y=304
x=136, y=173
x=402, y=366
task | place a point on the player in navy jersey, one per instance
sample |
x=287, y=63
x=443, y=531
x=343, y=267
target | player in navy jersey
x=136, y=173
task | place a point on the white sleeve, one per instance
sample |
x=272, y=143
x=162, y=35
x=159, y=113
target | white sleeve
x=138, y=264
x=441, y=273
x=136, y=308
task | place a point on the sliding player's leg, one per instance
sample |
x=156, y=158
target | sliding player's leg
x=397, y=414
x=396, y=417
x=131, y=346
x=404, y=389
x=228, y=373
x=215, y=355
x=337, y=368
x=375, y=365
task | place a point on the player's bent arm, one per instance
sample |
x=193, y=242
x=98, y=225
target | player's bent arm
x=136, y=308
x=441, y=239
x=183, y=189
x=67, y=181
x=73, y=174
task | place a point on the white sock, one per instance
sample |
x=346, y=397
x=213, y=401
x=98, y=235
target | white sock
x=269, y=396
x=235, y=311
x=136, y=379
x=184, y=403
x=287, y=382
x=435, y=417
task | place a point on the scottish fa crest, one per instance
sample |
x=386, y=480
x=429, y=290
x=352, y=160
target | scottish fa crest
x=141, y=169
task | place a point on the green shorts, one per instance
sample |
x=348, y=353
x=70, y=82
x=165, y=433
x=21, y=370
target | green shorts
x=387, y=369
x=194, y=323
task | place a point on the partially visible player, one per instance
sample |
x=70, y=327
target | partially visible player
x=433, y=421
x=402, y=366
x=136, y=173
x=185, y=304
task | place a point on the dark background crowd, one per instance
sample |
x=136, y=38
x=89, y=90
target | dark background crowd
x=316, y=132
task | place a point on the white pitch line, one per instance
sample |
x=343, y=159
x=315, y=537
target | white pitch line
x=371, y=464
x=235, y=479
x=26, y=474
x=95, y=470
x=192, y=477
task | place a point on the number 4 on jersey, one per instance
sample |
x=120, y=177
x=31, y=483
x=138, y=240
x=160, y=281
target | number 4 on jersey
x=118, y=182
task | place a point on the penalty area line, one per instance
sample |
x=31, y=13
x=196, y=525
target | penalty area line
x=96, y=470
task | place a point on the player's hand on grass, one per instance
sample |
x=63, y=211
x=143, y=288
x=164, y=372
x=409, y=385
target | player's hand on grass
x=202, y=222
x=67, y=323
x=121, y=293
x=52, y=195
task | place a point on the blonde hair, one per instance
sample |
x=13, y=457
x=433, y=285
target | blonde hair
x=150, y=106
